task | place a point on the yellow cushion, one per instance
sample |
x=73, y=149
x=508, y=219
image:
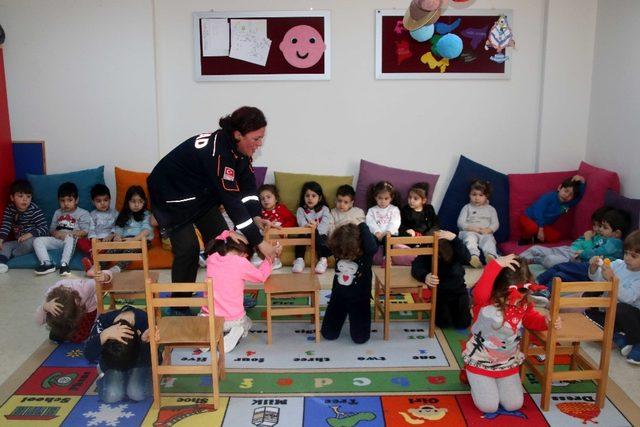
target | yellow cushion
x=290, y=184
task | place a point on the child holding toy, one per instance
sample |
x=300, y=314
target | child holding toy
x=492, y=355
x=417, y=217
x=536, y=225
x=313, y=210
x=478, y=220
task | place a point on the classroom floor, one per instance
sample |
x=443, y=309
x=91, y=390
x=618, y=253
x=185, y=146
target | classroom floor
x=21, y=291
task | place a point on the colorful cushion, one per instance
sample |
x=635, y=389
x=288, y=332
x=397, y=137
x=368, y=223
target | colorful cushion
x=402, y=180
x=457, y=196
x=290, y=184
x=598, y=182
x=526, y=188
x=632, y=206
x=45, y=188
x=30, y=260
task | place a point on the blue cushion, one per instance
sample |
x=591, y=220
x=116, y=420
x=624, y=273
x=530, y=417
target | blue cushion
x=31, y=261
x=457, y=196
x=45, y=188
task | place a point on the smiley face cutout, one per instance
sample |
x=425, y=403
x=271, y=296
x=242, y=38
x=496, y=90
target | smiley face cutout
x=302, y=46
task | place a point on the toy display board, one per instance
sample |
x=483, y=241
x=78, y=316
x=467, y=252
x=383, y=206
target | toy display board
x=462, y=44
x=269, y=45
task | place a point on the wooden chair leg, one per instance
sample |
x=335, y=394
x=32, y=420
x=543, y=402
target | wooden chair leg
x=316, y=314
x=526, y=338
x=222, y=373
x=268, y=318
x=376, y=301
x=216, y=386
x=574, y=356
x=387, y=317
x=603, y=367
x=432, y=322
x=547, y=381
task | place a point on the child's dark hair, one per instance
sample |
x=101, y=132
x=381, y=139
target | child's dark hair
x=68, y=189
x=222, y=247
x=346, y=190
x=100, y=190
x=618, y=220
x=598, y=214
x=120, y=356
x=126, y=212
x=572, y=183
x=243, y=120
x=421, y=189
x=316, y=188
x=270, y=188
x=381, y=187
x=20, y=186
x=481, y=185
x=345, y=242
x=632, y=242
x=508, y=277
x=61, y=327
x=445, y=250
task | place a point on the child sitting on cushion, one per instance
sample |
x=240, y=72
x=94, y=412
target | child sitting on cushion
x=345, y=212
x=417, y=217
x=536, y=225
x=478, y=220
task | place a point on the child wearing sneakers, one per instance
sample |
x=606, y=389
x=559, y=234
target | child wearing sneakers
x=22, y=217
x=276, y=212
x=627, y=323
x=313, y=210
x=69, y=223
x=478, y=220
x=345, y=212
x=536, y=225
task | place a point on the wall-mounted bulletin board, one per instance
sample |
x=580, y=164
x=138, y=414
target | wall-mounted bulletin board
x=400, y=56
x=268, y=45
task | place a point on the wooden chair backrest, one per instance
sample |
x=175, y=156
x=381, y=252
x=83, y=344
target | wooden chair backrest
x=99, y=251
x=294, y=236
x=154, y=300
x=428, y=246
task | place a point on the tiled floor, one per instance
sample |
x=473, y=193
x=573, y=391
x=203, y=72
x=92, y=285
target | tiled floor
x=21, y=292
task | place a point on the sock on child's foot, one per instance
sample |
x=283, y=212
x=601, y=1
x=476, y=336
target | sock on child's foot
x=232, y=338
x=475, y=261
x=115, y=269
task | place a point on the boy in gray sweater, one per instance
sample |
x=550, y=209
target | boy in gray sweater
x=477, y=222
x=345, y=212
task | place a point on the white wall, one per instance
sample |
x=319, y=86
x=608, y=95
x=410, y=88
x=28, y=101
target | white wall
x=82, y=76
x=614, y=121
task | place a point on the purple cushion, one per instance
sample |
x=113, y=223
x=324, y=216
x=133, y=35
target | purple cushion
x=632, y=206
x=260, y=172
x=402, y=180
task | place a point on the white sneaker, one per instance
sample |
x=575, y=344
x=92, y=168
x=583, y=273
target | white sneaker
x=4, y=268
x=298, y=266
x=255, y=259
x=277, y=264
x=321, y=266
x=202, y=259
x=232, y=338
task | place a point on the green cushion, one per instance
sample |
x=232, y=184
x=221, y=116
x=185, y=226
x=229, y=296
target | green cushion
x=289, y=185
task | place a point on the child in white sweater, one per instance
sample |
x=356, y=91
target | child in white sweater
x=383, y=216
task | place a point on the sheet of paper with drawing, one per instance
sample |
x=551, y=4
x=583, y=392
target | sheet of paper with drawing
x=215, y=37
x=249, y=40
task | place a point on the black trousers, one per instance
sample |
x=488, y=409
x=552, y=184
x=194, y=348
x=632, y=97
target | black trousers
x=321, y=248
x=453, y=309
x=359, y=312
x=185, y=246
x=627, y=321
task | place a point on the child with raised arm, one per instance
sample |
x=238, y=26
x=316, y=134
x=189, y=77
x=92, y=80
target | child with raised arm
x=536, y=225
x=69, y=223
x=492, y=355
x=478, y=220
x=22, y=217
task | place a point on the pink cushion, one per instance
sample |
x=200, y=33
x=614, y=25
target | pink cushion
x=526, y=188
x=402, y=180
x=598, y=182
x=512, y=247
x=402, y=260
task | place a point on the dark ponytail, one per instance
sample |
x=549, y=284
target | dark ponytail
x=243, y=120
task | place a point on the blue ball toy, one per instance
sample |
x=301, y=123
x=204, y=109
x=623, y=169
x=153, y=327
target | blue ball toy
x=423, y=34
x=449, y=46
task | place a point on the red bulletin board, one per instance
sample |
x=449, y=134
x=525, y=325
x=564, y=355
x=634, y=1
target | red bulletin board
x=277, y=67
x=398, y=55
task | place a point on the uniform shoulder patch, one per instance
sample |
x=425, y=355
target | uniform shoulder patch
x=229, y=174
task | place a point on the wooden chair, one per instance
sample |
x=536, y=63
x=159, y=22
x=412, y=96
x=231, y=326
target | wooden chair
x=398, y=279
x=127, y=284
x=184, y=331
x=576, y=328
x=293, y=285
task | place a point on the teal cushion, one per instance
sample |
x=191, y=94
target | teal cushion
x=45, y=188
x=30, y=260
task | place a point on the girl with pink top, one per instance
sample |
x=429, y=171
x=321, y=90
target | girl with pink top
x=69, y=309
x=229, y=267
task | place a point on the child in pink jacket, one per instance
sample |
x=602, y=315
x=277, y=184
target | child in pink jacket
x=229, y=267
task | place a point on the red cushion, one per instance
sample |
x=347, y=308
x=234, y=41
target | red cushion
x=598, y=182
x=512, y=247
x=526, y=188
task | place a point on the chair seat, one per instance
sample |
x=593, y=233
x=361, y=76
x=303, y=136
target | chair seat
x=187, y=329
x=400, y=277
x=129, y=281
x=575, y=327
x=291, y=283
